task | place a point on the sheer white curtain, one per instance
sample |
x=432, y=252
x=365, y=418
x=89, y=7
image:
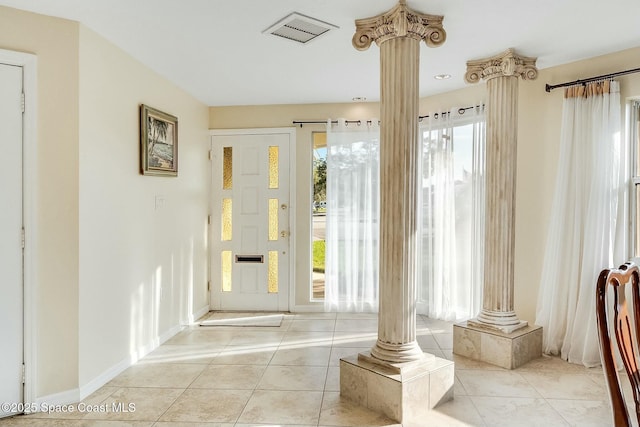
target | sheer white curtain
x=588, y=218
x=351, y=264
x=453, y=214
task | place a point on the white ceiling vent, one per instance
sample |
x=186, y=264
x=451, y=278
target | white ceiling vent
x=299, y=28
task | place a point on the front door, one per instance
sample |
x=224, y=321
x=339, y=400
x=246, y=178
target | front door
x=11, y=282
x=250, y=220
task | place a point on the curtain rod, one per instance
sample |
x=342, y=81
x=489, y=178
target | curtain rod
x=359, y=122
x=549, y=87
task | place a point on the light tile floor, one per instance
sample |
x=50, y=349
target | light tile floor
x=289, y=376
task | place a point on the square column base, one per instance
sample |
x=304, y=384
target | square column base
x=507, y=350
x=402, y=392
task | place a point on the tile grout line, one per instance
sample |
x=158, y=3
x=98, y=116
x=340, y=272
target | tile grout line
x=546, y=401
x=484, y=422
x=168, y=407
x=326, y=377
x=255, y=388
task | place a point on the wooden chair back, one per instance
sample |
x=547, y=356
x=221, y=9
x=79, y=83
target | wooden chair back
x=627, y=335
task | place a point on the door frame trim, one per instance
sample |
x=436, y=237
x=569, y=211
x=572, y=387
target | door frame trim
x=291, y=131
x=29, y=64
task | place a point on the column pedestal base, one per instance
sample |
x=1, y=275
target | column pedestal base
x=404, y=392
x=506, y=329
x=508, y=350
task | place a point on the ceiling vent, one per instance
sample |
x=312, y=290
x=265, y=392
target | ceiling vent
x=299, y=28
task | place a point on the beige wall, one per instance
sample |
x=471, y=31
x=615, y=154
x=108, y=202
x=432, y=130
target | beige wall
x=55, y=42
x=143, y=270
x=538, y=139
x=115, y=276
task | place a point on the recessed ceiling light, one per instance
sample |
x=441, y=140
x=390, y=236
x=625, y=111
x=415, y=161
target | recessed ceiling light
x=442, y=76
x=359, y=99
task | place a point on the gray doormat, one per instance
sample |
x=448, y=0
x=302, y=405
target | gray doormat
x=242, y=319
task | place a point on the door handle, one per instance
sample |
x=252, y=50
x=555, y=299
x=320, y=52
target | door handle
x=284, y=233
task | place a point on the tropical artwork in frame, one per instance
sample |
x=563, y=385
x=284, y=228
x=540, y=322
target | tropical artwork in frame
x=158, y=142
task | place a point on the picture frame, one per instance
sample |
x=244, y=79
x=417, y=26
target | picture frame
x=158, y=142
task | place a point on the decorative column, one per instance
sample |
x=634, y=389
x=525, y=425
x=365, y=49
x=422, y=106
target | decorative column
x=372, y=378
x=398, y=34
x=502, y=73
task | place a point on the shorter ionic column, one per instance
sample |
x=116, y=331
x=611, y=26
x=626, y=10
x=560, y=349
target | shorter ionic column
x=497, y=317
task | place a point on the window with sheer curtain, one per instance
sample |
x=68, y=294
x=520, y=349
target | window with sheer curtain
x=351, y=260
x=452, y=207
x=588, y=226
x=453, y=214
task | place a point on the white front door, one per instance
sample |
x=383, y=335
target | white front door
x=11, y=282
x=251, y=219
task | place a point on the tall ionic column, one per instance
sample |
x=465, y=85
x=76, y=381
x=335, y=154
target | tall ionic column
x=396, y=377
x=398, y=33
x=510, y=342
x=501, y=73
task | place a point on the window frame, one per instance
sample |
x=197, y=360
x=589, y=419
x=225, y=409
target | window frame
x=633, y=136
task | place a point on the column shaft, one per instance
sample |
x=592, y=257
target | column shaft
x=399, y=165
x=501, y=161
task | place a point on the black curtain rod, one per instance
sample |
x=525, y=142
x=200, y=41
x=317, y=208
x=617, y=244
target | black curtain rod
x=359, y=122
x=549, y=87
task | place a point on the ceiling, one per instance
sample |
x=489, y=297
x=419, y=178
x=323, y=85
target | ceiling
x=216, y=50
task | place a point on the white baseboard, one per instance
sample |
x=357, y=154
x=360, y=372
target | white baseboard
x=97, y=382
x=308, y=308
x=76, y=395
x=63, y=398
x=198, y=314
x=169, y=334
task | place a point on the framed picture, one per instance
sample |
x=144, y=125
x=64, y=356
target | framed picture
x=158, y=142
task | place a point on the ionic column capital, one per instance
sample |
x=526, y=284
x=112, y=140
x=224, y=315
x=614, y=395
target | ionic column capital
x=399, y=22
x=508, y=63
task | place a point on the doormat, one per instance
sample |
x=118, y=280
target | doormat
x=243, y=319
